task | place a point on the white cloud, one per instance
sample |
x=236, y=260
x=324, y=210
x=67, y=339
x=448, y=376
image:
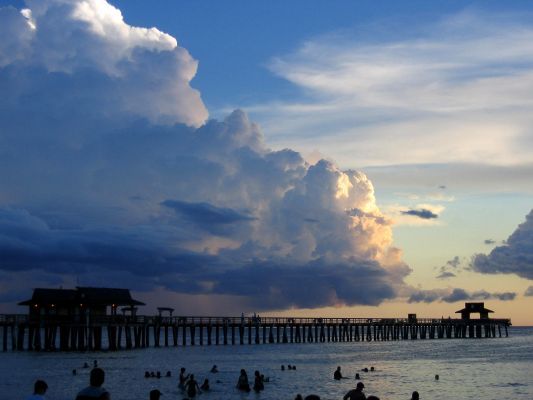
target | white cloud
x=80, y=41
x=460, y=92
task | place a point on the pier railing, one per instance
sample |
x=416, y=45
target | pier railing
x=93, y=332
x=206, y=320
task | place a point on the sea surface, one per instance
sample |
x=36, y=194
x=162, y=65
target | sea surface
x=469, y=369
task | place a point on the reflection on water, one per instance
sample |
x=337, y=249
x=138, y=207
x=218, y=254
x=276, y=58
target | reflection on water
x=468, y=369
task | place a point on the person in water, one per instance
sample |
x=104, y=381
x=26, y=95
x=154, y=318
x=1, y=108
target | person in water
x=155, y=394
x=258, y=382
x=356, y=394
x=205, y=385
x=191, y=387
x=95, y=389
x=415, y=396
x=39, y=389
x=183, y=378
x=242, y=383
x=337, y=375
x=214, y=369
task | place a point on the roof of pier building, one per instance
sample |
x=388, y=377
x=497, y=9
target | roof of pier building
x=51, y=296
x=107, y=296
x=91, y=296
x=473, y=308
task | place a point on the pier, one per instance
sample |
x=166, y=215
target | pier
x=121, y=332
x=89, y=319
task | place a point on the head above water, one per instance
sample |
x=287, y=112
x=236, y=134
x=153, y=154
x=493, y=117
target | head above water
x=40, y=387
x=97, y=377
x=155, y=394
x=415, y=395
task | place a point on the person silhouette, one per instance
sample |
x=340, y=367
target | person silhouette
x=192, y=387
x=95, y=389
x=415, y=396
x=357, y=393
x=337, y=375
x=242, y=383
x=39, y=389
x=258, y=382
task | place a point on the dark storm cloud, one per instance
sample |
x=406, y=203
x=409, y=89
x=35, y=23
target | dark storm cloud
x=206, y=216
x=422, y=213
x=26, y=242
x=515, y=257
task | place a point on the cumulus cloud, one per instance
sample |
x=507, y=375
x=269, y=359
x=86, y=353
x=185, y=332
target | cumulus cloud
x=106, y=63
x=457, y=294
x=116, y=176
x=514, y=257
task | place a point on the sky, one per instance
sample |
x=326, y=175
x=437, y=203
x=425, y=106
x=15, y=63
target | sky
x=288, y=158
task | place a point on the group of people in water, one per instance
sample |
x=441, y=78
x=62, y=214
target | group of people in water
x=188, y=384
x=259, y=382
x=337, y=375
x=289, y=367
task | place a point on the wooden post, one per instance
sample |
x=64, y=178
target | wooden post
x=192, y=328
x=20, y=340
x=225, y=332
x=4, y=342
x=201, y=329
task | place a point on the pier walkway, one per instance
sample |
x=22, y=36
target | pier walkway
x=117, y=332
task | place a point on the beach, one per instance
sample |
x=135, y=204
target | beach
x=468, y=369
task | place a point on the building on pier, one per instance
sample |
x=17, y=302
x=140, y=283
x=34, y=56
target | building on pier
x=474, y=308
x=77, y=304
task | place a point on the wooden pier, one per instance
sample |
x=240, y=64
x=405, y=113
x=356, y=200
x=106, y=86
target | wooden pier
x=121, y=332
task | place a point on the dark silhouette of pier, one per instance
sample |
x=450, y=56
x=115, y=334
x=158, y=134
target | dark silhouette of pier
x=87, y=318
x=118, y=332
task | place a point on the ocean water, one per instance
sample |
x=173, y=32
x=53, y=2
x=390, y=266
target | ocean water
x=469, y=369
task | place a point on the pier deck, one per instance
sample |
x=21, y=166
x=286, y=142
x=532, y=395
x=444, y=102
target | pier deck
x=58, y=333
